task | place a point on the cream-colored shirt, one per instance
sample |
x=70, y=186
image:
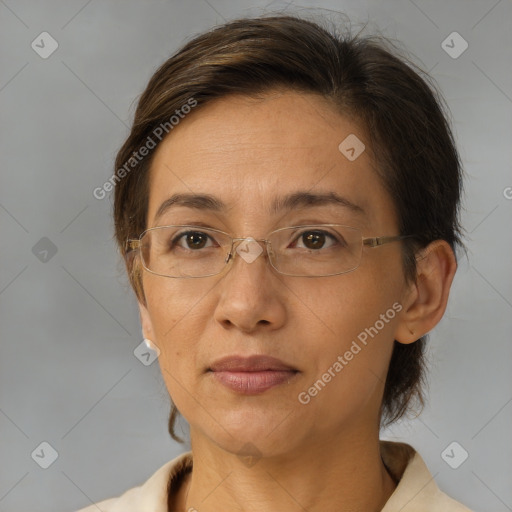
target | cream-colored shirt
x=416, y=490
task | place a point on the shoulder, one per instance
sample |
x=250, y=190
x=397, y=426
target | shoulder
x=151, y=495
x=417, y=490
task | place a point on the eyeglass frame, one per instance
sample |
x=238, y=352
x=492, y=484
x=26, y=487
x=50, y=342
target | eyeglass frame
x=372, y=242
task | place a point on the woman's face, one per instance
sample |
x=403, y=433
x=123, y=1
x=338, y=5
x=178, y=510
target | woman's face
x=247, y=153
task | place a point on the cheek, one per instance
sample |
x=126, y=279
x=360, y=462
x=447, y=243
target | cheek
x=174, y=308
x=343, y=306
x=352, y=324
x=362, y=334
x=177, y=331
x=348, y=376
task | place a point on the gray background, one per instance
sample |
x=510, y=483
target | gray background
x=69, y=325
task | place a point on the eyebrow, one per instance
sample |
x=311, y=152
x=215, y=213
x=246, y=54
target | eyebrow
x=300, y=199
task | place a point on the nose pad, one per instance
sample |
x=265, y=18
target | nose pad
x=270, y=251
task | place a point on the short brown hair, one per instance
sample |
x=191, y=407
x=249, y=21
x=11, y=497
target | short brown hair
x=365, y=78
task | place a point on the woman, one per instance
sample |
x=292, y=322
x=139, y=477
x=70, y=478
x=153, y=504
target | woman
x=287, y=207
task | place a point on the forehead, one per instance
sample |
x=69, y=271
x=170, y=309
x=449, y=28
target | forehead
x=251, y=152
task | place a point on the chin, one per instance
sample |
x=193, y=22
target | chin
x=271, y=432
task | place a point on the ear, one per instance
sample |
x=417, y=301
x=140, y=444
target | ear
x=145, y=320
x=427, y=298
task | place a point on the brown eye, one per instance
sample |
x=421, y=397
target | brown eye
x=314, y=239
x=192, y=239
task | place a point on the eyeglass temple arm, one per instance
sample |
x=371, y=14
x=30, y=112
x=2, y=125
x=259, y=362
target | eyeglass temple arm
x=132, y=244
x=381, y=240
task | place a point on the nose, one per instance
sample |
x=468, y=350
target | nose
x=249, y=295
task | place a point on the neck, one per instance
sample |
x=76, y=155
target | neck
x=327, y=475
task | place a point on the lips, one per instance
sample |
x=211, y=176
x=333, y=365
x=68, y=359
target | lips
x=250, y=364
x=252, y=375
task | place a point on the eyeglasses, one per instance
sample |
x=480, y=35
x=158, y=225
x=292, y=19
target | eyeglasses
x=302, y=251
